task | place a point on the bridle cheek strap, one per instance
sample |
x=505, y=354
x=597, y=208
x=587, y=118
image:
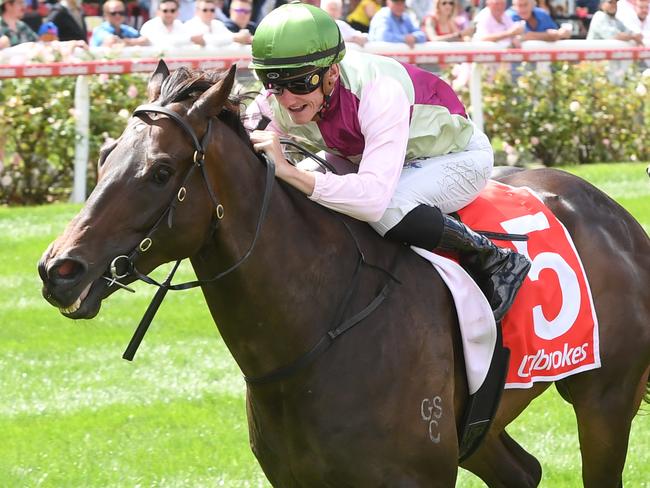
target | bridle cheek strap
x=198, y=161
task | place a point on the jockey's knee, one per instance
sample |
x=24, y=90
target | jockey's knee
x=421, y=227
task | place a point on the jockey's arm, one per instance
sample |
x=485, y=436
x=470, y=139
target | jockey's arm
x=384, y=113
x=384, y=120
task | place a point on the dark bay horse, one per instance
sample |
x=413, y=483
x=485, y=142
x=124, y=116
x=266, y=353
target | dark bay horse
x=381, y=406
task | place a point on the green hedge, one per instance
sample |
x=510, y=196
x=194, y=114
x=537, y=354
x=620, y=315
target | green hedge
x=570, y=114
x=37, y=125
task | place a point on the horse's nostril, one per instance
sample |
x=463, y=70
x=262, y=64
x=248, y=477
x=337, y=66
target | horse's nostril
x=65, y=270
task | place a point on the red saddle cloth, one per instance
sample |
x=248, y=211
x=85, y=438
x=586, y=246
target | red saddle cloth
x=551, y=329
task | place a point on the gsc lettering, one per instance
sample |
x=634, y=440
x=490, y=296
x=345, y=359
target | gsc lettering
x=431, y=412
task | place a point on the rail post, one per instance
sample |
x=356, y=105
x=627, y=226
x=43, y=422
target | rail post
x=82, y=112
x=476, y=95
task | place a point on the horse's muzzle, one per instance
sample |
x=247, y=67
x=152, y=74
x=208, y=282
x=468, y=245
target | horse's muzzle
x=66, y=285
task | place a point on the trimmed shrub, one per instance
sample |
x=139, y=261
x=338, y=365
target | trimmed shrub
x=569, y=114
x=38, y=135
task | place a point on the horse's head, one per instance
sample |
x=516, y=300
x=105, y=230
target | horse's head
x=150, y=205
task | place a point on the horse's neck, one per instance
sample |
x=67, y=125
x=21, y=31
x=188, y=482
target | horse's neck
x=283, y=298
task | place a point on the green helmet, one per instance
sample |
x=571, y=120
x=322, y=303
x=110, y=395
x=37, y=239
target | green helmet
x=293, y=37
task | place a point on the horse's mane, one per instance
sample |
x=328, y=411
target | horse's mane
x=184, y=83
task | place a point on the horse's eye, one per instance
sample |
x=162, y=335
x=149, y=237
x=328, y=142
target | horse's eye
x=162, y=174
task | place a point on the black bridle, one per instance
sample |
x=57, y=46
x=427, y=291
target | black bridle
x=129, y=269
x=127, y=262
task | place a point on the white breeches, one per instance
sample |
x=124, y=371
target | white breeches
x=448, y=182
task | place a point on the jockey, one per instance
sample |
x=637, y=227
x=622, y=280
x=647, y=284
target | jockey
x=418, y=156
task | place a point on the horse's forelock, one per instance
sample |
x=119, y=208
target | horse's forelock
x=183, y=84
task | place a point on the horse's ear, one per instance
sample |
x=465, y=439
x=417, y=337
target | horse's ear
x=156, y=80
x=213, y=100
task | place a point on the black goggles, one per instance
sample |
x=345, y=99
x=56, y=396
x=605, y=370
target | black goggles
x=298, y=86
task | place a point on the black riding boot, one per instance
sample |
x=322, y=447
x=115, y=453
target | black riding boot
x=498, y=271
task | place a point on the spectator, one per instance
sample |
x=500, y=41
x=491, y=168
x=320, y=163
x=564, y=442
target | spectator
x=539, y=25
x=69, y=20
x=14, y=31
x=240, y=16
x=113, y=31
x=185, y=9
x=48, y=32
x=440, y=24
x=419, y=9
x=362, y=14
x=165, y=30
x=219, y=13
x=259, y=8
x=214, y=32
x=349, y=33
x=393, y=24
x=590, y=5
x=605, y=25
x=493, y=24
x=639, y=22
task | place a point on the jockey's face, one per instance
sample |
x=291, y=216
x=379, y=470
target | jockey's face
x=305, y=108
x=302, y=108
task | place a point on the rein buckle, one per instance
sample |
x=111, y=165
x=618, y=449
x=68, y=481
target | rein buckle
x=115, y=275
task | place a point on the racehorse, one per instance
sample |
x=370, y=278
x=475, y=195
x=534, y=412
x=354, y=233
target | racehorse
x=374, y=404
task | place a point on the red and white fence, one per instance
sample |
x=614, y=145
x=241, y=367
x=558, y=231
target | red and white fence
x=430, y=53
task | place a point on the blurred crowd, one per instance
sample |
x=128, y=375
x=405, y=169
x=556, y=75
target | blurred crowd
x=169, y=24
